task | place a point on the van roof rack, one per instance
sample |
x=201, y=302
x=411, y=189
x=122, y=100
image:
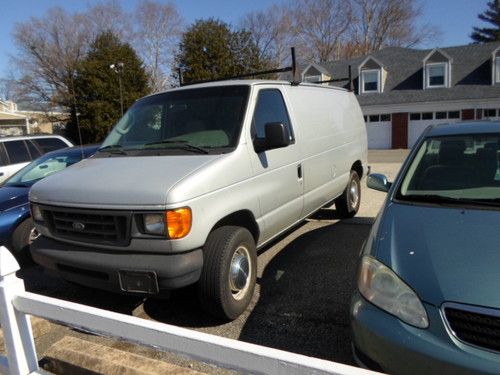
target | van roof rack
x=293, y=68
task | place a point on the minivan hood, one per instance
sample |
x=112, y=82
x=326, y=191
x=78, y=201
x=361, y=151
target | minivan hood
x=446, y=254
x=117, y=181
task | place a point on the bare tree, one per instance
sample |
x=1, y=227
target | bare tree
x=159, y=27
x=382, y=23
x=49, y=50
x=109, y=16
x=272, y=32
x=320, y=27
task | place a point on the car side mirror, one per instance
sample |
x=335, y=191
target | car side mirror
x=276, y=136
x=378, y=182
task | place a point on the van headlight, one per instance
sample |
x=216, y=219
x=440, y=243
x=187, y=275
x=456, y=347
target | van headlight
x=36, y=213
x=379, y=285
x=175, y=223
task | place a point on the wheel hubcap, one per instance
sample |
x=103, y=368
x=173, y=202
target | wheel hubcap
x=353, y=194
x=239, y=272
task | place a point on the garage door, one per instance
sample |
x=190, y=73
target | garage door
x=379, y=134
x=416, y=127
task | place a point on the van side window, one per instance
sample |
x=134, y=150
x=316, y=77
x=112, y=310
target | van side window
x=270, y=108
x=17, y=151
x=35, y=153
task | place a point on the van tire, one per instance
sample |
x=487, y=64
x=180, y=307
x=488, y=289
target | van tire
x=220, y=295
x=21, y=240
x=347, y=204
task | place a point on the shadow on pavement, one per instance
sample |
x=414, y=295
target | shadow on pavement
x=305, y=294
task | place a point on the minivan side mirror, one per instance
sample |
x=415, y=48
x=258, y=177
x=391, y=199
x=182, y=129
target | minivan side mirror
x=277, y=136
x=378, y=182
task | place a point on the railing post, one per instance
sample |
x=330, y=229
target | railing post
x=16, y=326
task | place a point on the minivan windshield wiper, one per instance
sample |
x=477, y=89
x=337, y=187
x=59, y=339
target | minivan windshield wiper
x=436, y=198
x=113, y=149
x=180, y=143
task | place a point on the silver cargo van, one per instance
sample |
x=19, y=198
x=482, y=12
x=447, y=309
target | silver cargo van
x=192, y=181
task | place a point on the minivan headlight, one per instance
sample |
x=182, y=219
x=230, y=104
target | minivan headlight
x=379, y=285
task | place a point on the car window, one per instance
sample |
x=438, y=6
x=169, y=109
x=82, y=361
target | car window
x=35, y=152
x=270, y=107
x=50, y=144
x=17, y=151
x=464, y=167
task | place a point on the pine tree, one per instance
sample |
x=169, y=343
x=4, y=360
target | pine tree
x=492, y=16
x=96, y=87
x=210, y=50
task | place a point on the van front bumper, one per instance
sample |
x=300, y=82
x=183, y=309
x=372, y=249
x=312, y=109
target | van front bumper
x=104, y=269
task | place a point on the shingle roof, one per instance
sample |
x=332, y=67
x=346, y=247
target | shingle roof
x=470, y=75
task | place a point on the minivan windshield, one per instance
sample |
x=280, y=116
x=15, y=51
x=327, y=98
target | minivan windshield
x=454, y=170
x=190, y=121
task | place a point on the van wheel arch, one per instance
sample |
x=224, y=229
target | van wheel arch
x=244, y=219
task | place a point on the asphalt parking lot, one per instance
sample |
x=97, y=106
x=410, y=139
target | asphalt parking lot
x=301, y=302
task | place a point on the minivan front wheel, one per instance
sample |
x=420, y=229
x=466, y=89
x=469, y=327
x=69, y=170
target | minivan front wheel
x=229, y=272
x=347, y=204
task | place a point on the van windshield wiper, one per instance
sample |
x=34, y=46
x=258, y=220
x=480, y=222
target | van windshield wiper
x=113, y=149
x=180, y=143
x=436, y=198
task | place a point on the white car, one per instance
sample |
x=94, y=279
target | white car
x=16, y=152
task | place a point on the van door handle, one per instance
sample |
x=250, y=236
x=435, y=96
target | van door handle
x=299, y=171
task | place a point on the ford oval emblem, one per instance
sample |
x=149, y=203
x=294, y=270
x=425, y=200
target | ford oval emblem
x=78, y=226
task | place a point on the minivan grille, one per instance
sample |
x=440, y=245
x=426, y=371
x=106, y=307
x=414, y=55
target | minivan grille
x=102, y=227
x=476, y=328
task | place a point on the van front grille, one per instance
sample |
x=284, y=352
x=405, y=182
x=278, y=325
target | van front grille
x=103, y=227
x=480, y=327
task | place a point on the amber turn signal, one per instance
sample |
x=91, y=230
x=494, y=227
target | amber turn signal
x=178, y=222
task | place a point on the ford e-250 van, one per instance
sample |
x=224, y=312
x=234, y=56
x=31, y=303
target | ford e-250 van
x=192, y=181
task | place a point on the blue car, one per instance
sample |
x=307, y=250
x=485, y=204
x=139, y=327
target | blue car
x=427, y=298
x=17, y=230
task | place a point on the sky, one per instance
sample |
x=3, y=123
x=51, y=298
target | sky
x=455, y=18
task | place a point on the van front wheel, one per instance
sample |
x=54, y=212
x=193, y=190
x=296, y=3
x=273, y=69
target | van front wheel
x=347, y=204
x=229, y=272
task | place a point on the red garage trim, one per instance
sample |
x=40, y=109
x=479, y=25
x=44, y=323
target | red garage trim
x=467, y=114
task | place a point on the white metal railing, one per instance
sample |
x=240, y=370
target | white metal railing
x=21, y=359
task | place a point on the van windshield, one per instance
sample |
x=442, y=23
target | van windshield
x=201, y=120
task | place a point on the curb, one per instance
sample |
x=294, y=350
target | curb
x=75, y=356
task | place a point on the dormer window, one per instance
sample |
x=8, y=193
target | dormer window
x=313, y=79
x=436, y=75
x=370, y=80
x=315, y=73
x=497, y=69
x=437, y=69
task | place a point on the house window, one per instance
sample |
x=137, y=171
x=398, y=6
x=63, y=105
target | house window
x=385, y=117
x=371, y=80
x=454, y=114
x=489, y=113
x=374, y=118
x=441, y=115
x=436, y=75
x=415, y=116
x=312, y=79
x=427, y=115
x=497, y=69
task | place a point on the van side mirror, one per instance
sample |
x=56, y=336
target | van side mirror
x=277, y=136
x=378, y=182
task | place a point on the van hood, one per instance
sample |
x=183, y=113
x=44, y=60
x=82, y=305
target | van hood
x=444, y=253
x=118, y=181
